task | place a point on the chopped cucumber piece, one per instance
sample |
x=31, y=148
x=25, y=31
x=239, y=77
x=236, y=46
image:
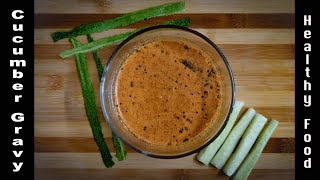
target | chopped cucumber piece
x=207, y=153
x=252, y=158
x=233, y=138
x=246, y=143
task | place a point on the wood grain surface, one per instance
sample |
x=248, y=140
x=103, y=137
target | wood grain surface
x=257, y=37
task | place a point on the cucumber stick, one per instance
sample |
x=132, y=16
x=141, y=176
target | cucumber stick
x=207, y=153
x=252, y=158
x=162, y=10
x=246, y=143
x=233, y=138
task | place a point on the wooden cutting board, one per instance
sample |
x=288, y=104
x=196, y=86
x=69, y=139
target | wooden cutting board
x=257, y=37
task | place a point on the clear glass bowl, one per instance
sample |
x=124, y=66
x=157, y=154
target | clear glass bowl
x=108, y=81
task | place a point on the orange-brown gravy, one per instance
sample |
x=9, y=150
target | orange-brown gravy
x=167, y=92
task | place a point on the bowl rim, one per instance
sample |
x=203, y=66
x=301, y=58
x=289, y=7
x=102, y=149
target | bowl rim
x=103, y=80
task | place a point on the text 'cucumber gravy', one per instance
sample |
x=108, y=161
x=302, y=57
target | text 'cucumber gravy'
x=167, y=92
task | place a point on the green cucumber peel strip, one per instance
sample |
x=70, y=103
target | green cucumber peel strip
x=124, y=20
x=96, y=58
x=233, y=138
x=90, y=105
x=106, y=41
x=252, y=158
x=246, y=143
x=121, y=153
x=206, y=154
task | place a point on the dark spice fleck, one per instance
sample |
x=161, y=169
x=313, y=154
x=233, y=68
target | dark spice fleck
x=181, y=131
x=189, y=120
x=131, y=84
x=145, y=128
x=186, y=47
x=186, y=140
x=187, y=64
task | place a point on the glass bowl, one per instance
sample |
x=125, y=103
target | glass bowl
x=108, y=90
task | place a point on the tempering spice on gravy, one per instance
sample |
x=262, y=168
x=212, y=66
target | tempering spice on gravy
x=167, y=92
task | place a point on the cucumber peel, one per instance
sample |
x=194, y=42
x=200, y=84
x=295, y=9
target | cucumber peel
x=121, y=153
x=162, y=10
x=106, y=41
x=90, y=105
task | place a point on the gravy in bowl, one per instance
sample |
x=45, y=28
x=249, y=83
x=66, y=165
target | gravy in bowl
x=167, y=92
